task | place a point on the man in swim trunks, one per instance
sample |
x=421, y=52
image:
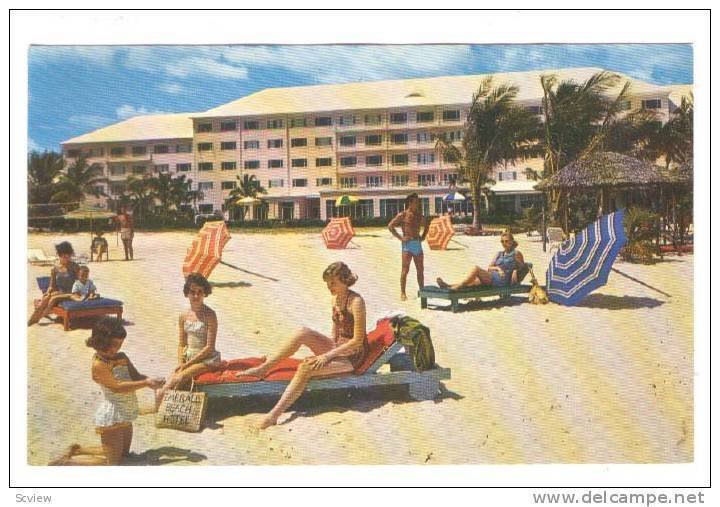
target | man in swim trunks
x=409, y=221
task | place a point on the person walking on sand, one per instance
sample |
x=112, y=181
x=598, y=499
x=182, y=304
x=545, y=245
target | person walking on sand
x=340, y=353
x=409, y=221
x=126, y=225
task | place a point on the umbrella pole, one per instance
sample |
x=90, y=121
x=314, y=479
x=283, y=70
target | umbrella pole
x=456, y=241
x=641, y=282
x=249, y=272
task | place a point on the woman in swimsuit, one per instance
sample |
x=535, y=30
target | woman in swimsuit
x=62, y=277
x=341, y=353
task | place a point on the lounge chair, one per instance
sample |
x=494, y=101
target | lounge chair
x=383, y=349
x=68, y=310
x=38, y=257
x=480, y=291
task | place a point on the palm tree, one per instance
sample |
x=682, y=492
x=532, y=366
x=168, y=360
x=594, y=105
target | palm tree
x=140, y=192
x=77, y=181
x=247, y=186
x=43, y=169
x=673, y=141
x=498, y=131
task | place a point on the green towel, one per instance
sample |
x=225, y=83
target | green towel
x=415, y=337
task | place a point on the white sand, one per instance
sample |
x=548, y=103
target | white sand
x=610, y=381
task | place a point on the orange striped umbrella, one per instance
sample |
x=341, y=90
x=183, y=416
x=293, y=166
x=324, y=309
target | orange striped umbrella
x=338, y=233
x=206, y=250
x=440, y=231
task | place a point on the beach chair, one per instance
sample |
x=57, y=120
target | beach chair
x=382, y=350
x=69, y=310
x=38, y=257
x=480, y=291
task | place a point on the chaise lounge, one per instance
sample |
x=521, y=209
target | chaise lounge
x=69, y=310
x=383, y=349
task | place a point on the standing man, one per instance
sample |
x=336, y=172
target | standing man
x=409, y=221
x=126, y=224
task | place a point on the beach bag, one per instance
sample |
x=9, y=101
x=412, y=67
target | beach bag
x=415, y=337
x=182, y=410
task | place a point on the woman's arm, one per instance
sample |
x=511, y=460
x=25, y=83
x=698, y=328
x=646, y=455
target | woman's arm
x=426, y=227
x=519, y=261
x=357, y=308
x=182, y=340
x=52, y=287
x=102, y=374
x=209, y=348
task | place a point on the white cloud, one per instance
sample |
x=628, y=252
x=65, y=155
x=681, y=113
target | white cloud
x=204, y=66
x=128, y=111
x=98, y=55
x=183, y=61
x=89, y=120
x=171, y=88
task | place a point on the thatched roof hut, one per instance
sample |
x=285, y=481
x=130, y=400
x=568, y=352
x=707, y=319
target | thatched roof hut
x=683, y=173
x=609, y=170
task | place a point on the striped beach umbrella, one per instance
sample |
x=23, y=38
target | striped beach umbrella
x=583, y=263
x=439, y=233
x=338, y=233
x=206, y=250
x=455, y=196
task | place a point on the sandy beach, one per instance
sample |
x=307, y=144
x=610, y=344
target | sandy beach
x=610, y=381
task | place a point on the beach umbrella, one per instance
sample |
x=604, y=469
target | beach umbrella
x=583, y=263
x=455, y=196
x=247, y=201
x=345, y=200
x=338, y=233
x=206, y=249
x=89, y=213
x=439, y=233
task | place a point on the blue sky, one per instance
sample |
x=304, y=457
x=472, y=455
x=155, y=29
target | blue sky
x=77, y=89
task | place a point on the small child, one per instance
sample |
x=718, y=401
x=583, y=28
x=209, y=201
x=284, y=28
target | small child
x=84, y=288
x=118, y=380
x=99, y=246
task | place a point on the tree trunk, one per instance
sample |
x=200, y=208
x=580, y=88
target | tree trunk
x=476, y=210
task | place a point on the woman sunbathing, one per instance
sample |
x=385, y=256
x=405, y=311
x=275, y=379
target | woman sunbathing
x=62, y=277
x=503, y=270
x=341, y=353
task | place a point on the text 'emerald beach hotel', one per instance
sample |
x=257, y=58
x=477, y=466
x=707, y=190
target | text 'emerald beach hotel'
x=307, y=145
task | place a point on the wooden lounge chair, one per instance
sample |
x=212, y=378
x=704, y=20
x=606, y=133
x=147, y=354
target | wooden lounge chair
x=38, y=257
x=480, y=291
x=68, y=310
x=383, y=349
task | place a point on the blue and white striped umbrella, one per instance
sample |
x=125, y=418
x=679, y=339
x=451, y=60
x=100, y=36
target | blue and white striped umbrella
x=583, y=263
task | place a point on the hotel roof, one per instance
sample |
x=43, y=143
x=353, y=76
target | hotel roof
x=141, y=128
x=399, y=93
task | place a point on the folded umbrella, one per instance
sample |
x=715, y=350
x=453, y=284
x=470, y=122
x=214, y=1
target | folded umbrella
x=206, y=250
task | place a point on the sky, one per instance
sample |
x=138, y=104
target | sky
x=77, y=89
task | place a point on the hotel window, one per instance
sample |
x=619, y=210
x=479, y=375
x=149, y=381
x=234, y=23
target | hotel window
x=373, y=140
x=227, y=185
x=183, y=148
x=183, y=167
x=373, y=181
x=297, y=142
x=323, y=141
x=398, y=118
x=400, y=159
x=275, y=124
x=161, y=149
x=251, y=125
x=348, y=182
x=204, y=127
x=451, y=115
x=251, y=164
x=275, y=164
x=117, y=170
x=117, y=187
x=423, y=137
x=298, y=122
x=205, y=208
x=228, y=145
x=138, y=169
x=73, y=153
x=450, y=158
x=205, y=185
x=425, y=158
x=275, y=143
x=323, y=182
x=323, y=121
x=507, y=176
x=425, y=116
x=323, y=162
x=118, y=151
x=399, y=180
x=426, y=180
x=346, y=120
x=534, y=109
x=227, y=126
x=625, y=105
x=348, y=161
x=373, y=160
x=228, y=166
x=205, y=166
x=373, y=119
x=139, y=150
x=276, y=183
x=300, y=182
x=448, y=179
x=99, y=189
x=455, y=135
x=399, y=138
x=204, y=146
x=162, y=168
x=251, y=145
x=347, y=141
x=652, y=104
x=299, y=162
x=97, y=169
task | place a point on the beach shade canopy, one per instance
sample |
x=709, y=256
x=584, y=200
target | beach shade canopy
x=89, y=213
x=345, y=200
x=206, y=250
x=439, y=233
x=583, y=263
x=455, y=196
x=338, y=233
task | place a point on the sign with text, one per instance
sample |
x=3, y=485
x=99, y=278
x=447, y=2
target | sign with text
x=181, y=410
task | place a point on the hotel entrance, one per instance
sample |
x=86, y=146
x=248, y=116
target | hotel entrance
x=287, y=211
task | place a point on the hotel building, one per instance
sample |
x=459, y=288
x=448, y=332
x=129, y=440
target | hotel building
x=307, y=145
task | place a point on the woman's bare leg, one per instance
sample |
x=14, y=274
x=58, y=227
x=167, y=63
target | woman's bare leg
x=40, y=310
x=477, y=276
x=317, y=342
x=179, y=378
x=127, y=440
x=110, y=453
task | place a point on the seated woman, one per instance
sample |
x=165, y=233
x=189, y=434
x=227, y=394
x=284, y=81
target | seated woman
x=62, y=277
x=198, y=330
x=340, y=353
x=503, y=270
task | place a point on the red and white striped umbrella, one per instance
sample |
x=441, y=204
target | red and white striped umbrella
x=440, y=231
x=206, y=250
x=338, y=233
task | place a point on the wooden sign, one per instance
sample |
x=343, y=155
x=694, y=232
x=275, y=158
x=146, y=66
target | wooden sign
x=181, y=410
